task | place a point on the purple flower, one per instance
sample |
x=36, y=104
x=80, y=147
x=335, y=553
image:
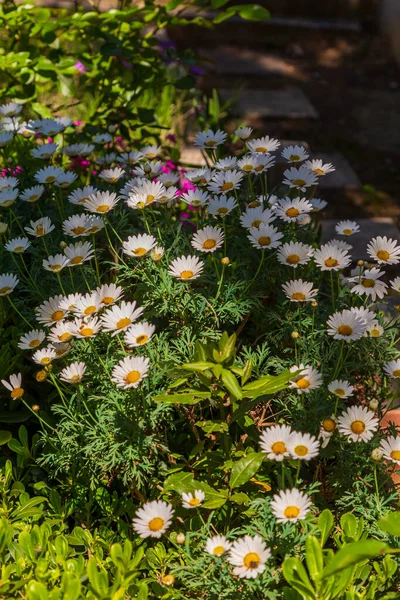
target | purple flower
x=79, y=66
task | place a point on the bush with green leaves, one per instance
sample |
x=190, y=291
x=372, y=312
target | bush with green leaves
x=198, y=374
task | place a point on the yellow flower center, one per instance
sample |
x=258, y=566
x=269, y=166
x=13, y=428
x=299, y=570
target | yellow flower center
x=187, y=274
x=259, y=168
x=18, y=249
x=103, y=208
x=86, y=331
x=247, y=168
x=396, y=373
x=222, y=210
x=132, y=377
x=292, y=212
x=78, y=230
x=261, y=149
x=395, y=454
x=293, y=259
x=294, y=157
x=375, y=333
x=4, y=290
x=329, y=425
x=331, y=262
x=56, y=267
x=347, y=231
x=108, y=300
x=156, y=524
x=34, y=343
x=345, y=330
x=319, y=172
x=256, y=223
x=33, y=197
x=357, y=427
x=211, y=144
x=301, y=450
x=254, y=204
x=251, y=560
x=139, y=251
x=228, y=185
x=264, y=240
x=45, y=360
x=291, y=512
x=218, y=550
x=89, y=310
x=303, y=383
x=194, y=501
x=368, y=283
x=209, y=244
x=75, y=378
x=50, y=179
x=77, y=260
x=383, y=255
x=122, y=323
x=340, y=392
x=298, y=296
x=299, y=182
x=278, y=448
x=17, y=393
x=142, y=339
x=57, y=315
x=149, y=199
x=64, y=337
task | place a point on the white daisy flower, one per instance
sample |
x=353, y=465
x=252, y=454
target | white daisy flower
x=186, y=267
x=119, y=318
x=79, y=253
x=48, y=174
x=327, y=429
x=94, y=224
x=194, y=500
x=150, y=151
x=300, y=178
x=265, y=237
x=139, y=334
x=5, y=138
x=221, y=206
x=78, y=149
x=55, y=263
x=346, y=325
x=24, y=130
x=101, y=202
x=217, y=545
x=318, y=204
x=61, y=332
x=157, y=253
x=392, y=369
x=76, y=225
x=367, y=315
x=294, y=254
x=274, y=442
x=18, y=245
x=358, y=423
x=145, y=193
x=50, y=312
x=318, y=167
x=375, y=330
x=384, y=250
x=8, y=282
x=308, y=379
x=82, y=195
x=87, y=305
x=14, y=385
x=341, y=245
x=31, y=340
x=40, y=227
x=195, y=198
x=109, y=293
x=225, y=181
x=290, y=506
x=61, y=348
x=48, y=127
x=291, y=210
x=295, y=154
x=8, y=182
x=153, y=519
x=257, y=216
x=264, y=162
x=8, y=197
x=391, y=449
x=303, y=446
x=263, y=145
x=200, y=177
x=226, y=164
x=341, y=388
x=347, y=228
x=73, y=373
x=102, y=138
x=249, y=163
x=11, y=109
x=331, y=258
x=168, y=179
x=85, y=328
x=44, y=356
x=32, y=194
x=208, y=239
x=112, y=175
x=298, y=290
x=67, y=303
x=209, y=139
x=44, y=151
x=130, y=371
x=368, y=284
x=107, y=158
x=244, y=132
x=64, y=180
x=248, y=556
x=138, y=245
x=395, y=284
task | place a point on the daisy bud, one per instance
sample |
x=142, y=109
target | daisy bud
x=294, y=335
x=41, y=375
x=373, y=405
x=314, y=304
x=225, y=260
x=3, y=228
x=35, y=407
x=180, y=538
x=63, y=245
x=376, y=454
x=360, y=263
x=168, y=580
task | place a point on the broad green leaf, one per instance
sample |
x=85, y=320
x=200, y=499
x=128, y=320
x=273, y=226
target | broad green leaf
x=240, y=498
x=228, y=350
x=314, y=557
x=183, y=398
x=247, y=369
x=325, y=523
x=214, y=498
x=36, y=591
x=245, y=468
x=231, y=383
x=201, y=365
x=390, y=523
x=179, y=482
x=354, y=553
x=5, y=436
x=296, y=575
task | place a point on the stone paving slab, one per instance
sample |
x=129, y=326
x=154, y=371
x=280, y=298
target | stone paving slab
x=231, y=60
x=290, y=103
x=369, y=228
x=193, y=156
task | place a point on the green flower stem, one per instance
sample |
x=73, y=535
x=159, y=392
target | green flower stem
x=19, y=313
x=98, y=355
x=117, y=256
x=84, y=277
x=60, y=284
x=96, y=262
x=283, y=475
x=220, y=283
x=258, y=270
x=378, y=500
x=81, y=398
x=15, y=218
x=30, y=277
x=42, y=421
x=297, y=472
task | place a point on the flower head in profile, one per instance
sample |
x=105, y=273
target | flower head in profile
x=139, y=245
x=294, y=154
x=193, y=500
x=8, y=283
x=244, y=132
x=139, y=334
x=153, y=519
x=32, y=194
x=73, y=373
x=341, y=388
x=318, y=167
x=331, y=258
x=248, y=556
x=195, y=198
x=306, y=380
x=112, y=175
x=347, y=228
x=55, y=263
x=298, y=290
x=14, y=385
x=31, y=340
x=327, y=429
x=221, y=206
x=368, y=283
x=101, y=202
x=81, y=195
x=358, y=424
x=40, y=227
x=300, y=178
x=263, y=145
x=391, y=449
x=119, y=318
x=257, y=216
x=44, y=356
x=217, y=545
x=85, y=328
x=224, y=182
x=209, y=139
x=392, y=369
x=186, y=268
x=290, y=506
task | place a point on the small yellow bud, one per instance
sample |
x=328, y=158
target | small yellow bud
x=225, y=260
x=360, y=263
x=168, y=580
x=35, y=407
x=157, y=253
x=294, y=335
x=373, y=405
x=180, y=538
x=41, y=375
x=63, y=245
x=314, y=304
x=3, y=227
x=376, y=454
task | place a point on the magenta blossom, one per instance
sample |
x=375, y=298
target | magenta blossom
x=79, y=66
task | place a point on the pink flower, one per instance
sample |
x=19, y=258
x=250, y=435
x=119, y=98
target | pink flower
x=79, y=66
